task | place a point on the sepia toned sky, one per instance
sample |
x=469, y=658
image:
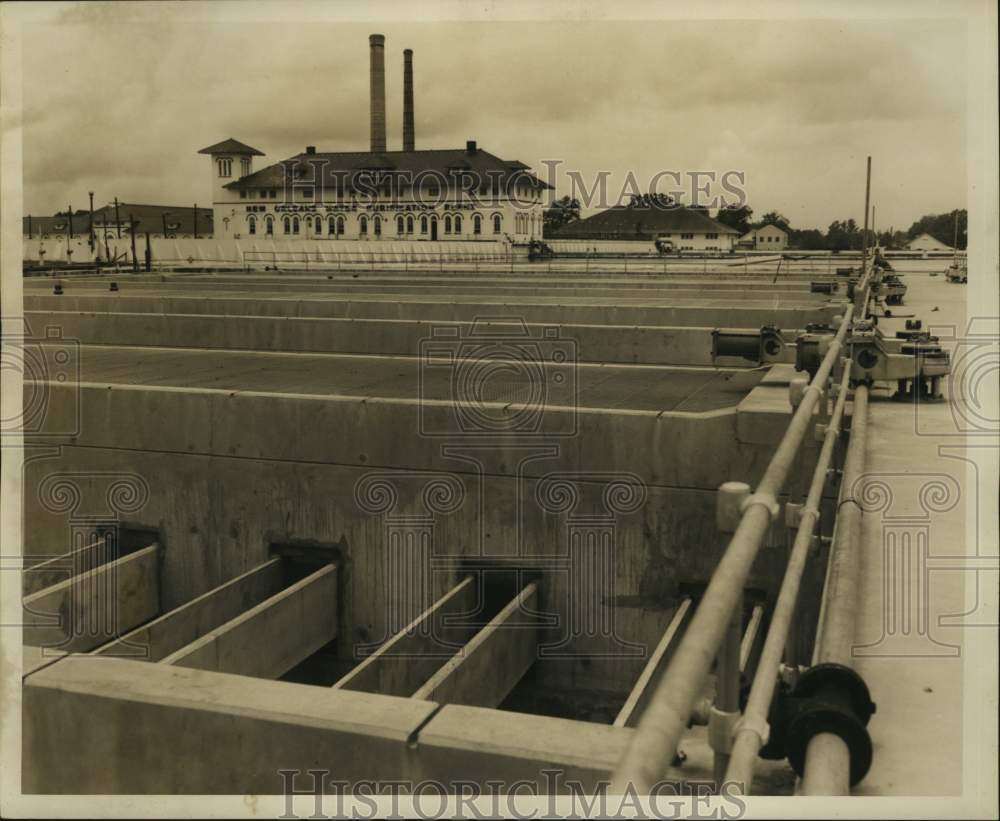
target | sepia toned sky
x=118, y=100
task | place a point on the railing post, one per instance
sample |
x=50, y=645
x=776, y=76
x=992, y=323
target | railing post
x=725, y=711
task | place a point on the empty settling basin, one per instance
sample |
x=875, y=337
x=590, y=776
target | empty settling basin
x=392, y=526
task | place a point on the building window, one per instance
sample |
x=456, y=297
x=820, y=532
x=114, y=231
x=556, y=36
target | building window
x=497, y=223
x=458, y=223
x=711, y=236
x=687, y=236
x=244, y=166
x=273, y=193
x=363, y=225
x=331, y=226
x=307, y=192
x=251, y=225
x=225, y=166
x=295, y=225
x=318, y=225
x=243, y=195
x=477, y=224
x=400, y=226
x=287, y=225
x=340, y=226
x=423, y=225
x=409, y=225
x=447, y=224
x=377, y=226
x=269, y=226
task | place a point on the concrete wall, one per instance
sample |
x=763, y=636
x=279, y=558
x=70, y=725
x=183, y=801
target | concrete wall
x=229, y=474
x=259, y=251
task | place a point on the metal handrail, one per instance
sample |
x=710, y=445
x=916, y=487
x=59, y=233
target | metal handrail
x=654, y=744
x=828, y=759
x=751, y=732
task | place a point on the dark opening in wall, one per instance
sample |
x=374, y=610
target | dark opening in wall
x=299, y=560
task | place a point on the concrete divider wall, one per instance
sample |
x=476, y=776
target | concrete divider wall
x=659, y=345
x=746, y=314
x=232, y=473
x=111, y=726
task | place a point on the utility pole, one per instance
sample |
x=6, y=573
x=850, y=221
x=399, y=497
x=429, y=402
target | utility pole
x=163, y=218
x=118, y=223
x=196, y=220
x=131, y=230
x=70, y=221
x=92, y=245
x=864, y=236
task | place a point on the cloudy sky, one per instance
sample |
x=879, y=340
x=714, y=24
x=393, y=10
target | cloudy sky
x=119, y=99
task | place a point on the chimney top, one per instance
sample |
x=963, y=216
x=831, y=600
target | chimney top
x=376, y=39
x=407, y=51
x=310, y=149
x=470, y=147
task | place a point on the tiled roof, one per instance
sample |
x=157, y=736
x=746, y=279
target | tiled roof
x=342, y=166
x=641, y=222
x=231, y=146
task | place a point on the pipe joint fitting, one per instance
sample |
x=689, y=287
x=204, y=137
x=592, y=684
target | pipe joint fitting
x=722, y=729
x=766, y=500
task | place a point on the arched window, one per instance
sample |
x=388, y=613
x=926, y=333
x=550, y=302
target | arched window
x=363, y=225
x=497, y=223
x=400, y=225
x=377, y=226
x=287, y=225
x=331, y=227
x=458, y=223
x=295, y=225
x=423, y=225
x=447, y=223
x=251, y=224
x=269, y=226
x=477, y=224
x=318, y=225
x=409, y=225
x=340, y=226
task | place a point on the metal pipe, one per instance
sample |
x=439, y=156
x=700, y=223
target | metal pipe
x=750, y=733
x=654, y=744
x=827, y=764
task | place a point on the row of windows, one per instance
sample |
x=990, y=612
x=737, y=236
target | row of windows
x=769, y=239
x=225, y=166
x=525, y=224
x=336, y=225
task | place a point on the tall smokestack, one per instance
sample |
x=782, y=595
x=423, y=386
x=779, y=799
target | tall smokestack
x=377, y=52
x=408, y=131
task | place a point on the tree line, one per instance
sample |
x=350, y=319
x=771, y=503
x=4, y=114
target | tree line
x=841, y=235
x=847, y=235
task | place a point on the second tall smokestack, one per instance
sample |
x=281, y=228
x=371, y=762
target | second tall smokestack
x=377, y=52
x=408, y=135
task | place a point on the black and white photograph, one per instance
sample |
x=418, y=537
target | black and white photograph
x=499, y=410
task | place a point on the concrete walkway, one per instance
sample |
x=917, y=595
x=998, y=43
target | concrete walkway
x=918, y=571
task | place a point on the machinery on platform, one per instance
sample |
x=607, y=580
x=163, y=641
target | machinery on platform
x=912, y=359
